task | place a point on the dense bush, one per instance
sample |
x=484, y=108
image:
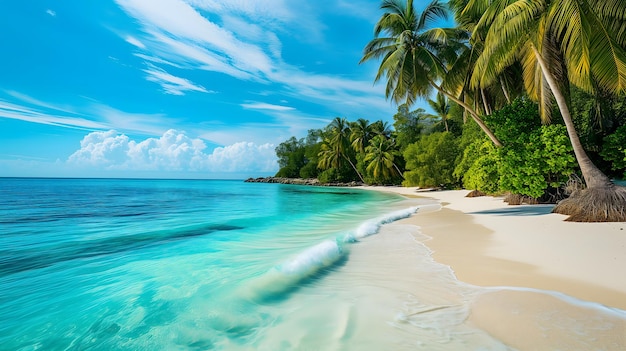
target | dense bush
x=330, y=175
x=291, y=158
x=614, y=150
x=539, y=160
x=480, y=167
x=534, y=157
x=430, y=161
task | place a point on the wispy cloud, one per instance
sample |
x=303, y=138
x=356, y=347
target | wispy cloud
x=172, y=151
x=266, y=106
x=170, y=83
x=94, y=115
x=97, y=116
x=242, y=39
x=34, y=115
x=51, y=13
x=134, y=41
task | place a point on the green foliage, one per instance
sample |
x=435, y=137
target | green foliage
x=430, y=161
x=480, y=167
x=379, y=160
x=472, y=136
x=541, y=159
x=614, y=149
x=334, y=175
x=290, y=157
x=407, y=125
x=533, y=158
x=519, y=118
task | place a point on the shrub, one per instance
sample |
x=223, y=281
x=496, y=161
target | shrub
x=430, y=161
x=480, y=167
x=614, y=150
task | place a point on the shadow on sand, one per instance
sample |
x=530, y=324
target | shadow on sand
x=522, y=210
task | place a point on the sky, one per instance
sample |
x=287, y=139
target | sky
x=177, y=88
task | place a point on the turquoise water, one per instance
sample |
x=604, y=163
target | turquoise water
x=105, y=264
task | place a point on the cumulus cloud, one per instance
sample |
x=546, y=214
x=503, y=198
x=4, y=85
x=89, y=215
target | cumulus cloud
x=173, y=151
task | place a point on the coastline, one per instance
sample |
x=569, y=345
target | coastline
x=545, y=280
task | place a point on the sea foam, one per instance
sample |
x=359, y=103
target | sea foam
x=284, y=277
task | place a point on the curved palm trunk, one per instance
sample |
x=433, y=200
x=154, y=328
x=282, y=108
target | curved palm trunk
x=592, y=175
x=398, y=170
x=505, y=91
x=353, y=167
x=472, y=112
x=485, y=103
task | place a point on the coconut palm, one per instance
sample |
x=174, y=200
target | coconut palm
x=335, y=148
x=381, y=128
x=380, y=158
x=360, y=134
x=441, y=108
x=562, y=42
x=414, y=58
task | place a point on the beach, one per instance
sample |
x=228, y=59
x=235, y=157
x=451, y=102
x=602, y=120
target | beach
x=534, y=266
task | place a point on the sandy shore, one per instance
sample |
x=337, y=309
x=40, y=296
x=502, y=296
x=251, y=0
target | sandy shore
x=491, y=244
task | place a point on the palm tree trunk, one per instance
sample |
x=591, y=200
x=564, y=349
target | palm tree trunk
x=398, y=170
x=473, y=113
x=485, y=102
x=353, y=167
x=505, y=91
x=445, y=123
x=592, y=175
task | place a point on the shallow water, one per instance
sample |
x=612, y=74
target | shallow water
x=225, y=265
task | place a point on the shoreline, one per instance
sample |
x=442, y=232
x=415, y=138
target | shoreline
x=546, y=284
x=541, y=283
x=489, y=243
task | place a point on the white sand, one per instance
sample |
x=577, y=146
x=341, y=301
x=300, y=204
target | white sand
x=489, y=243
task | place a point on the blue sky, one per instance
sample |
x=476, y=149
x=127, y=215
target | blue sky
x=177, y=88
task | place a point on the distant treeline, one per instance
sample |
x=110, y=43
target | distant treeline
x=450, y=151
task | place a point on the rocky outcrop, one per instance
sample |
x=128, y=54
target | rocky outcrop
x=297, y=181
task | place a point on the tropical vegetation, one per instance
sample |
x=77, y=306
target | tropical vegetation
x=527, y=98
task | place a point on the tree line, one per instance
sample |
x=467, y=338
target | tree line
x=537, y=89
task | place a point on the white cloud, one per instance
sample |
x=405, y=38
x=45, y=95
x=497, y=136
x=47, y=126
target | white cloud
x=243, y=157
x=179, y=21
x=30, y=114
x=51, y=13
x=266, y=106
x=241, y=39
x=134, y=41
x=173, y=151
x=170, y=83
x=92, y=116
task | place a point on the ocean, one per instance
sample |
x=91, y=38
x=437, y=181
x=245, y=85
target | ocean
x=128, y=264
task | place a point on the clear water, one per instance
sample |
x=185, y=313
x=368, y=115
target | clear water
x=106, y=264
x=167, y=264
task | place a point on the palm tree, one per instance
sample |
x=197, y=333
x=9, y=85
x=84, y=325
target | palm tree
x=380, y=158
x=441, y=108
x=360, y=134
x=415, y=58
x=381, y=128
x=336, y=147
x=562, y=42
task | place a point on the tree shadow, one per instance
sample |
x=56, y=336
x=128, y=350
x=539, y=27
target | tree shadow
x=522, y=210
